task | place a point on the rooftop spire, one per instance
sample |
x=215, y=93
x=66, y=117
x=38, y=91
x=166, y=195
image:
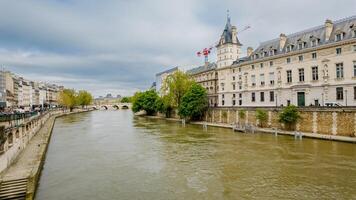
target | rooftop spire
x=228, y=15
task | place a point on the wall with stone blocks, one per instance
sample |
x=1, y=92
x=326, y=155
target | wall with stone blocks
x=329, y=121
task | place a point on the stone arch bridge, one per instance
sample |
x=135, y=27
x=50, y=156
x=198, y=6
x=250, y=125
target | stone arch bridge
x=113, y=106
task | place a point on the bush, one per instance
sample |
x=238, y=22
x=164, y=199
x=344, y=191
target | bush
x=262, y=117
x=289, y=116
x=242, y=114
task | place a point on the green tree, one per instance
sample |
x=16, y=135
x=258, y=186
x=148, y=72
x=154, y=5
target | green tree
x=289, y=116
x=145, y=101
x=68, y=98
x=262, y=116
x=163, y=105
x=126, y=100
x=175, y=86
x=194, y=102
x=84, y=98
x=242, y=114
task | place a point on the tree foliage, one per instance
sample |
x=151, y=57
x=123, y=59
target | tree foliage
x=289, y=116
x=242, y=114
x=194, y=102
x=145, y=101
x=175, y=86
x=68, y=98
x=262, y=116
x=84, y=98
x=126, y=100
x=163, y=105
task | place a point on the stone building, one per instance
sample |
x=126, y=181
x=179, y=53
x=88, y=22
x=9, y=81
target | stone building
x=161, y=77
x=207, y=77
x=316, y=66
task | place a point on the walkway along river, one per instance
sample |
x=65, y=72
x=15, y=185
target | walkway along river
x=114, y=155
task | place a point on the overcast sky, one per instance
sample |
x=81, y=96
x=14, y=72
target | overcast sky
x=113, y=46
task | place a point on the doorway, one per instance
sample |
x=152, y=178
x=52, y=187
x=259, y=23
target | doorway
x=301, y=99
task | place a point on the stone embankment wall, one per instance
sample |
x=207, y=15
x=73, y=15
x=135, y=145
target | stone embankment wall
x=328, y=121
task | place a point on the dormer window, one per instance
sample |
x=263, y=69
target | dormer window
x=314, y=42
x=289, y=48
x=354, y=33
x=265, y=53
x=339, y=36
x=300, y=46
x=272, y=52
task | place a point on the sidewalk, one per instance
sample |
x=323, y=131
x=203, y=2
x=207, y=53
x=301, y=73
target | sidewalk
x=283, y=132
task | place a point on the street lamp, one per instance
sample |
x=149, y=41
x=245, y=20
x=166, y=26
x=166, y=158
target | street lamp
x=276, y=100
x=322, y=99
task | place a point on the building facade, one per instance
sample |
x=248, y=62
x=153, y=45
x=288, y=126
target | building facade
x=207, y=77
x=309, y=68
x=161, y=77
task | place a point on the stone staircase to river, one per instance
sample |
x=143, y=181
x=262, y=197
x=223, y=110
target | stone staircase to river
x=13, y=189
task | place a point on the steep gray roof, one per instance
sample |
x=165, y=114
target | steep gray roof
x=343, y=25
x=203, y=68
x=227, y=34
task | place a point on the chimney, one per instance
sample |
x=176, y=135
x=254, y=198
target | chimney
x=234, y=34
x=249, y=51
x=282, y=41
x=328, y=29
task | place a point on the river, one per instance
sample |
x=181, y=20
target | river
x=115, y=155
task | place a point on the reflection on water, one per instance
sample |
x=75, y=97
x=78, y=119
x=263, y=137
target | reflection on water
x=114, y=155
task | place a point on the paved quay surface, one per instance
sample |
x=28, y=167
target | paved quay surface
x=31, y=155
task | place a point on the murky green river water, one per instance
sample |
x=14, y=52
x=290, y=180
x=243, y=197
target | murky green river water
x=114, y=155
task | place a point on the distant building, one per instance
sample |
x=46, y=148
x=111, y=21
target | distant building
x=109, y=96
x=160, y=77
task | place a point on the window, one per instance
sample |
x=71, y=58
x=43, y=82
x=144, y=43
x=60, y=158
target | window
x=314, y=42
x=233, y=95
x=289, y=48
x=262, y=96
x=240, y=95
x=354, y=68
x=314, y=55
x=301, y=75
x=300, y=58
x=354, y=48
x=355, y=93
x=239, y=69
x=338, y=51
x=339, y=70
x=271, y=96
x=222, y=102
x=271, y=63
x=222, y=86
x=339, y=93
x=223, y=96
x=354, y=33
x=262, y=79
x=339, y=36
x=233, y=78
x=253, y=80
x=271, y=78
x=252, y=66
x=253, y=97
x=233, y=87
x=288, y=60
x=300, y=46
x=261, y=65
x=233, y=102
x=315, y=75
x=289, y=76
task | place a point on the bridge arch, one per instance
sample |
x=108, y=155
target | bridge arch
x=105, y=107
x=116, y=107
x=124, y=107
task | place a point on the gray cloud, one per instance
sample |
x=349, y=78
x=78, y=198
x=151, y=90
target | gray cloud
x=118, y=46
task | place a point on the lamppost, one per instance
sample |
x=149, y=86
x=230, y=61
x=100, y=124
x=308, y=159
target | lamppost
x=276, y=100
x=345, y=97
x=322, y=99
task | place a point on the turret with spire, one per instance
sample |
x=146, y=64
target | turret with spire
x=228, y=48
